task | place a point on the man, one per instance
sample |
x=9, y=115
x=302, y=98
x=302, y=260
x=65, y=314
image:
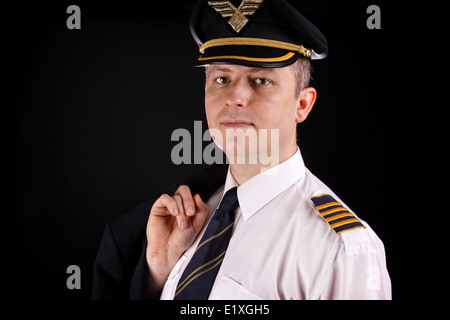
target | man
x=278, y=231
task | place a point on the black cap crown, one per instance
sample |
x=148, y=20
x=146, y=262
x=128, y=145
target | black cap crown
x=260, y=33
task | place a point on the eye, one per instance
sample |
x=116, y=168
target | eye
x=222, y=80
x=262, y=82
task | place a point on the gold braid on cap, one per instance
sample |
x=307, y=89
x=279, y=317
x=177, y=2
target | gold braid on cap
x=255, y=42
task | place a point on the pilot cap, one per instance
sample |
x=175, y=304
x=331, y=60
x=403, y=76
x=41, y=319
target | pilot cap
x=255, y=33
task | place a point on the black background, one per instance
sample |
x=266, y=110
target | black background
x=94, y=110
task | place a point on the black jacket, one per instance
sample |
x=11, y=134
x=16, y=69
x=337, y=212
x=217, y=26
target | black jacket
x=120, y=268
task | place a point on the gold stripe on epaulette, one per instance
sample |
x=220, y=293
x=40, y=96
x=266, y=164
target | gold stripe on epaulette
x=326, y=205
x=341, y=223
x=346, y=214
x=340, y=208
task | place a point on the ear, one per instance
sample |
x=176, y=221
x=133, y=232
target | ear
x=306, y=101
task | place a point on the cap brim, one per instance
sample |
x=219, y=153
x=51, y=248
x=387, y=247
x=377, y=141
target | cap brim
x=252, y=56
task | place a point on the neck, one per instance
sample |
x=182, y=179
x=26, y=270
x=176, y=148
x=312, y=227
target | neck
x=244, y=172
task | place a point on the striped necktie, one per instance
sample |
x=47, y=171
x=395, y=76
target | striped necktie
x=200, y=274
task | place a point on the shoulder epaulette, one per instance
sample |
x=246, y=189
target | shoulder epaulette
x=339, y=217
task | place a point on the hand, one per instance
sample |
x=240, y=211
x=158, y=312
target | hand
x=173, y=224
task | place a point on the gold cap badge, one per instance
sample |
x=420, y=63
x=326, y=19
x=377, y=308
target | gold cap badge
x=237, y=15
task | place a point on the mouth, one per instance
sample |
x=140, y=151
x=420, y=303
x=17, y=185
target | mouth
x=236, y=124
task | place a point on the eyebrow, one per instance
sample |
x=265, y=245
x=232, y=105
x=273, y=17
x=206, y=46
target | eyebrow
x=226, y=69
x=221, y=69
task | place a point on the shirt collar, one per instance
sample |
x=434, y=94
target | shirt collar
x=264, y=187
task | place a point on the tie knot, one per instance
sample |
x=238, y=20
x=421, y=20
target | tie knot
x=229, y=201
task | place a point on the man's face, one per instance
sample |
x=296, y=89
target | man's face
x=252, y=99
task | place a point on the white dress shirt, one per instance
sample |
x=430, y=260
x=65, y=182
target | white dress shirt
x=282, y=248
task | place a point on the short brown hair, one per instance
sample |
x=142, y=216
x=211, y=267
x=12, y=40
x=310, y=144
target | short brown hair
x=302, y=72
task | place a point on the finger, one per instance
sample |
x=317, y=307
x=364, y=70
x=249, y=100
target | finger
x=165, y=202
x=182, y=220
x=200, y=205
x=188, y=201
x=202, y=212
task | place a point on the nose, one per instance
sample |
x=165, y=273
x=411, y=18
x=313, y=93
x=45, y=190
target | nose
x=238, y=95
